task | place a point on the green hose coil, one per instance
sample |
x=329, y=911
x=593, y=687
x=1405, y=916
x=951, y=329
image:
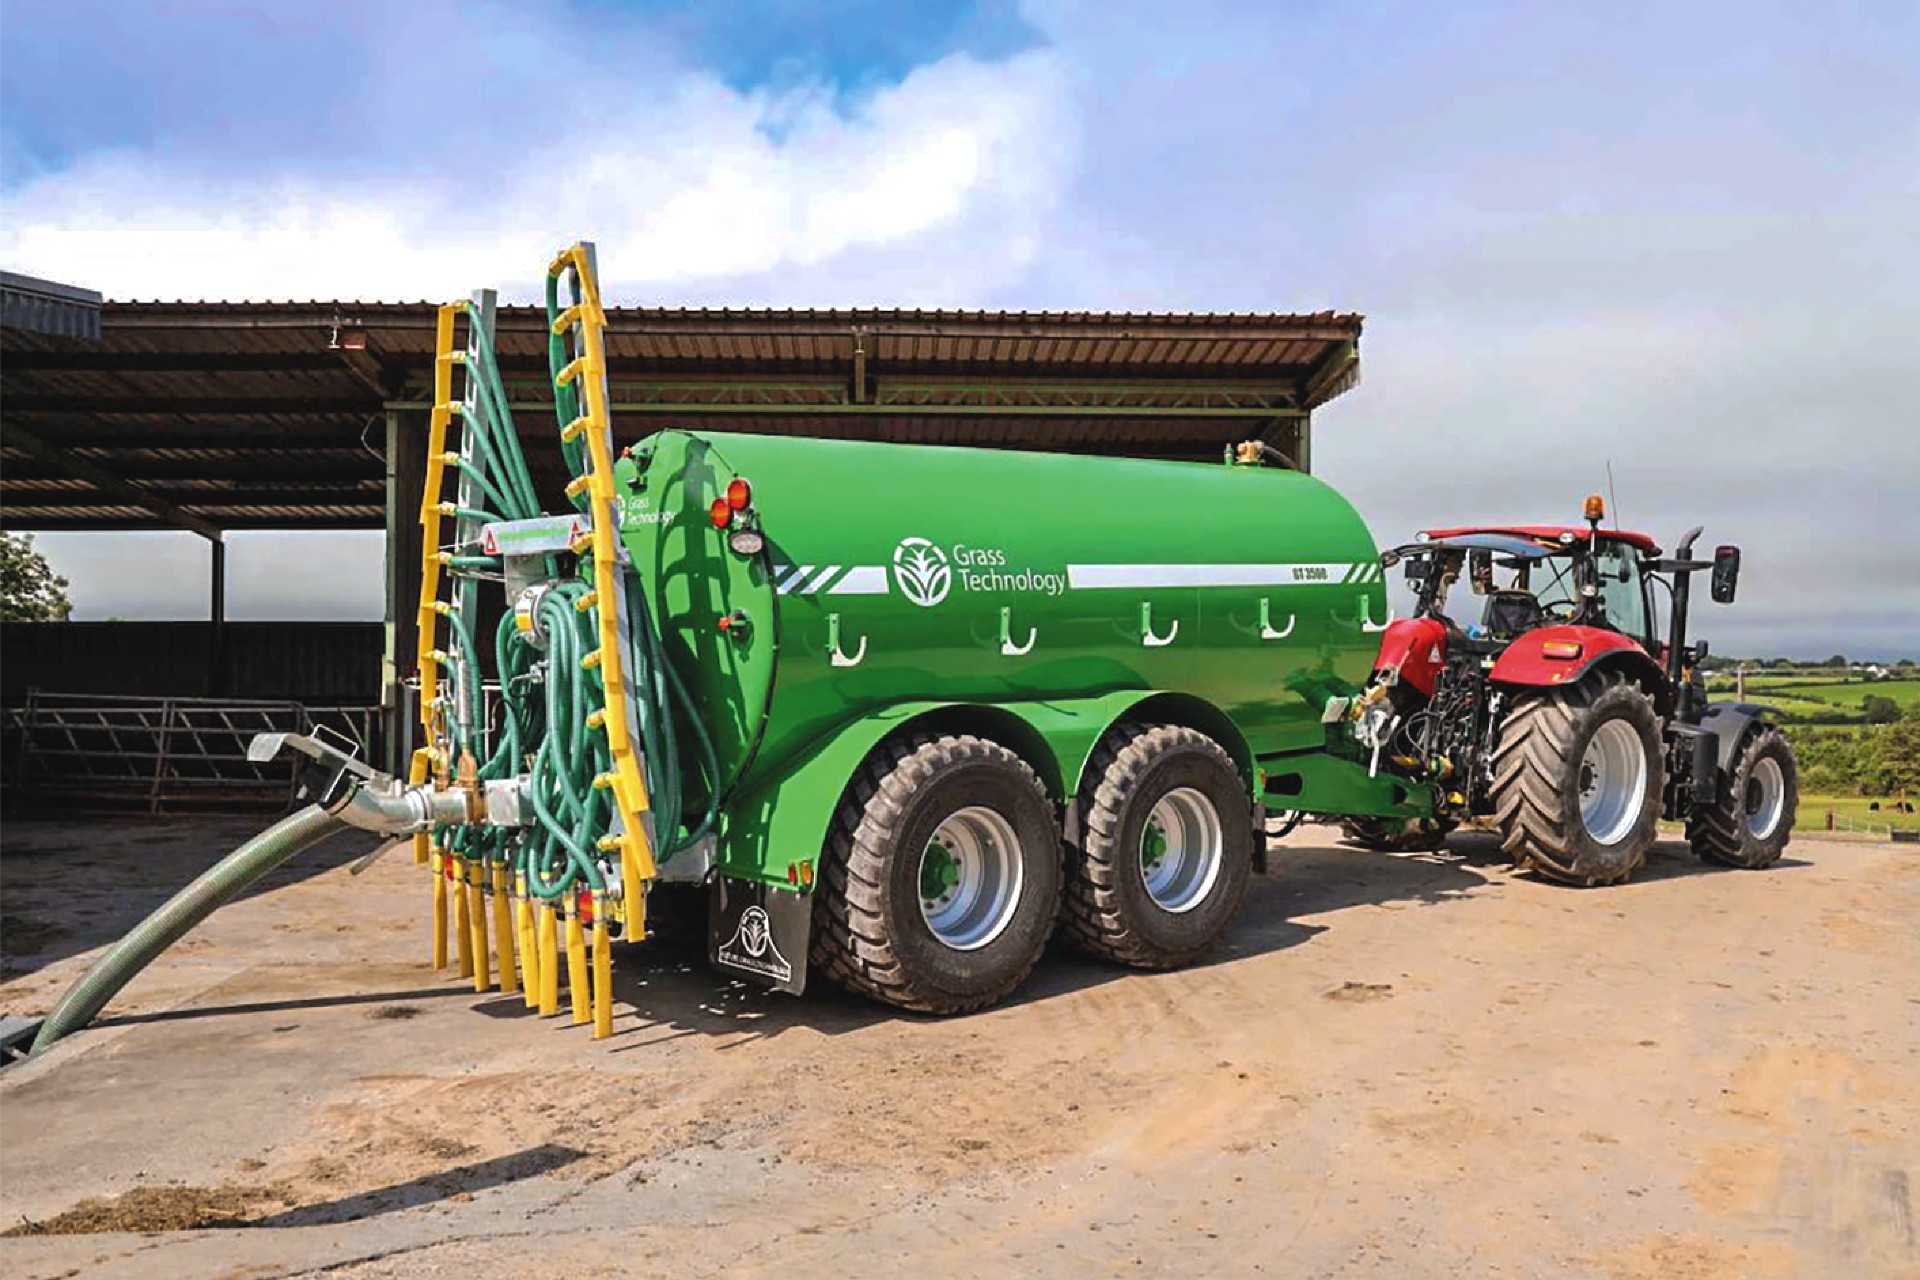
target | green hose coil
x=547, y=695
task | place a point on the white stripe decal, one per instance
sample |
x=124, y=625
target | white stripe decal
x=862, y=580
x=1085, y=576
x=790, y=577
x=819, y=580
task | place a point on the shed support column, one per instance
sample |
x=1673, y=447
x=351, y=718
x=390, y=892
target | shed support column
x=406, y=479
x=217, y=615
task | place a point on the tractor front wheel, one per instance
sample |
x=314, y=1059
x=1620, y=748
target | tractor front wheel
x=1753, y=820
x=1577, y=780
x=941, y=880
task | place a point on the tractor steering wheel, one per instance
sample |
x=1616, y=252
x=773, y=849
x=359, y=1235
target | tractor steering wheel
x=1561, y=611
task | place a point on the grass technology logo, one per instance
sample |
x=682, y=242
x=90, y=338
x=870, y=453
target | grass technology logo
x=921, y=571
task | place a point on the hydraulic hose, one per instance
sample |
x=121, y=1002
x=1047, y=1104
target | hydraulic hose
x=216, y=886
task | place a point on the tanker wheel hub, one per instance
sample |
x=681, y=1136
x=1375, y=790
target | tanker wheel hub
x=1182, y=847
x=970, y=877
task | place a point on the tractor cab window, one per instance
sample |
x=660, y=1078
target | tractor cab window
x=1496, y=602
x=1623, y=601
x=1555, y=586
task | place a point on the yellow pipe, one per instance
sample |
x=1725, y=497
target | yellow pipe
x=418, y=769
x=577, y=968
x=549, y=962
x=602, y=972
x=462, y=920
x=503, y=929
x=439, y=869
x=477, y=917
x=529, y=953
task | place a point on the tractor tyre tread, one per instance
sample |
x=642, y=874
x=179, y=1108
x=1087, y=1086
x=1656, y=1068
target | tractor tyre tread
x=1719, y=833
x=1532, y=768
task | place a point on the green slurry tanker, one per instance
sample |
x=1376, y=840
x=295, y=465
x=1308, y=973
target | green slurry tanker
x=896, y=713
x=926, y=672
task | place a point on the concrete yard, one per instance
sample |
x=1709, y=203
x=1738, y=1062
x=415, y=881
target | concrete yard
x=1395, y=1066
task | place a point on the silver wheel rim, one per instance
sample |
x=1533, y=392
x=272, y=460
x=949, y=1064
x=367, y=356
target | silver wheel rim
x=1613, y=782
x=1766, y=798
x=970, y=877
x=1181, y=849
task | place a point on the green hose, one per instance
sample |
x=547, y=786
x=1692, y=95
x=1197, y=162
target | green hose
x=216, y=886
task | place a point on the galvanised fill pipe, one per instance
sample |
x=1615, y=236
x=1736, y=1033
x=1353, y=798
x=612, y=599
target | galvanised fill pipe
x=215, y=887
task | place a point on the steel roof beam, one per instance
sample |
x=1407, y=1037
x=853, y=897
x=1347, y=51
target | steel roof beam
x=219, y=406
x=52, y=520
x=106, y=481
x=252, y=466
x=172, y=361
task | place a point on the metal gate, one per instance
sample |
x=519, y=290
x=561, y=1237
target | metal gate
x=160, y=754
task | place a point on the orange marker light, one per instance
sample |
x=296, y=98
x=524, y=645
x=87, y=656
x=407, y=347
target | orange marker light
x=739, y=494
x=1564, y=649
x=1595, y=508
x=720, y=513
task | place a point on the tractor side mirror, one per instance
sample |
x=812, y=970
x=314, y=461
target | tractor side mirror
x=1480, y=570
x=1726, y=574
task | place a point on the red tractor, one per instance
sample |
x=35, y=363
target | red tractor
x=1560, y=712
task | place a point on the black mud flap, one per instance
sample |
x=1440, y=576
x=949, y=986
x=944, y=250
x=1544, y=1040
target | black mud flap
x=759, y=932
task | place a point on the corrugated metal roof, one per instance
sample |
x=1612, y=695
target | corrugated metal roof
x=44, y=306
x=252, y=414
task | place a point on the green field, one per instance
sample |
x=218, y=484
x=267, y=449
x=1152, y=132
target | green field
x=1854, y=809
x=1812, y=698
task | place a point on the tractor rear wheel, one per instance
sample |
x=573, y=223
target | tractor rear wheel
x=1398, y=835
x=1166, y=848
x=1577, y=780
x=941, y=877
x=1753, y=820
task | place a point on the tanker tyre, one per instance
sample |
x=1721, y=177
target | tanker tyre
x=1753, y=821
x=1577, y=781
x=1166, y=848
x=940, y=883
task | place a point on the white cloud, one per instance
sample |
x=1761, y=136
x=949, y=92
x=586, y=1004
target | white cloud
x=695, y=191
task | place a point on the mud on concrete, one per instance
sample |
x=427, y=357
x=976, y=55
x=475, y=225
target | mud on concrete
x=1395, y=1065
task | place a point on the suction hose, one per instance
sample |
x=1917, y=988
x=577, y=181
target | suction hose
x=215, y=887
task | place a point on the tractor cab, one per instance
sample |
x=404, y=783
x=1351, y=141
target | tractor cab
x=1522, y=578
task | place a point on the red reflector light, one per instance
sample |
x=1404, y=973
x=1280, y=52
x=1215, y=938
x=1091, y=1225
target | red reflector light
x=584, y=907
x=720, y=513
x=1562, y=649
x=739, y=494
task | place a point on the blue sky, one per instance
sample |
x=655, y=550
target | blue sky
x=1676, y=236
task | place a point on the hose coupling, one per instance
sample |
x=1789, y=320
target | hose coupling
x=334, y=778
